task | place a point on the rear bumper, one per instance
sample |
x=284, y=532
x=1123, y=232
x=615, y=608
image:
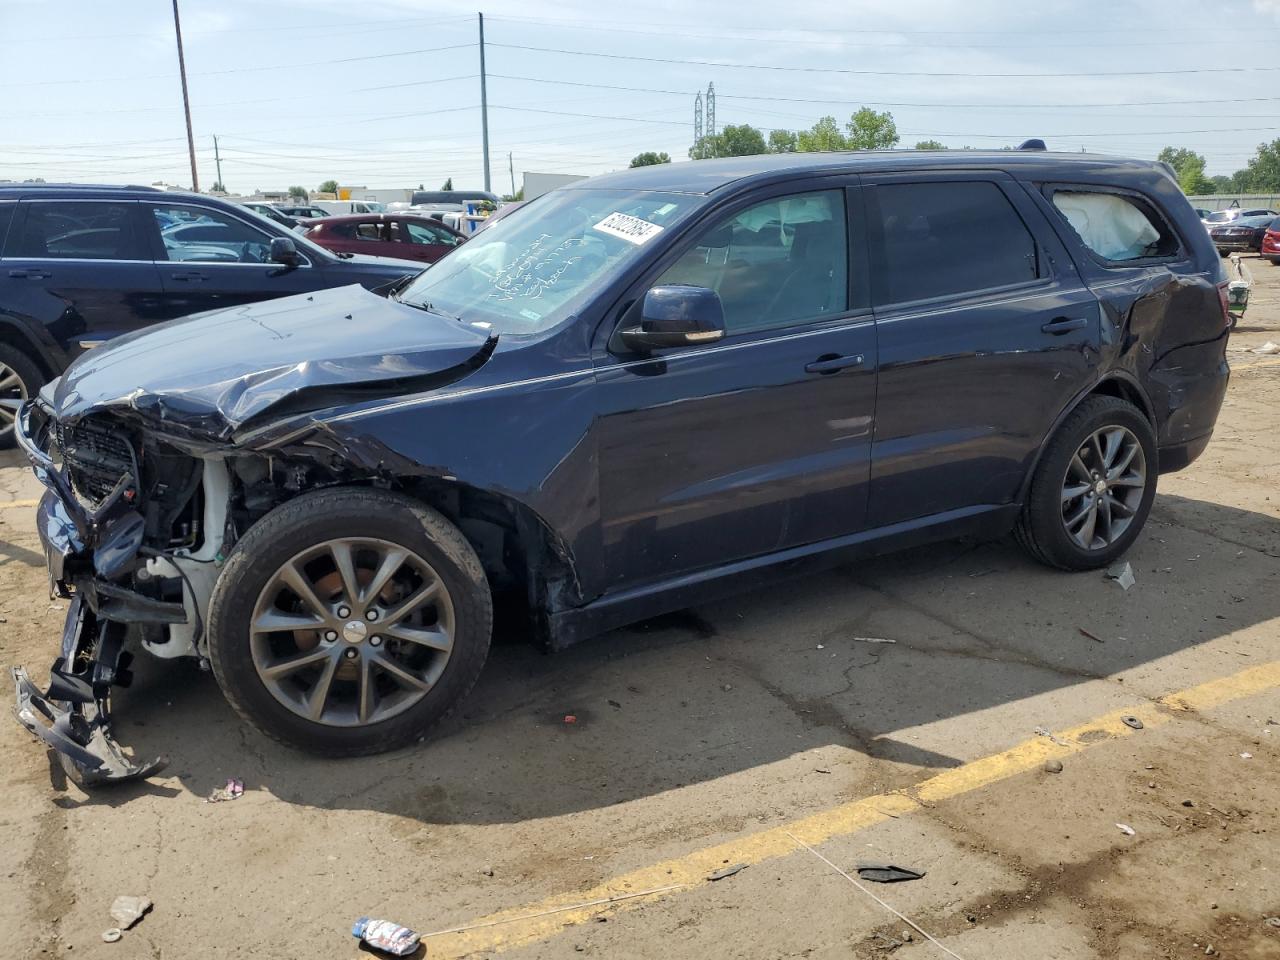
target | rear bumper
x=1236, y=246
x=1179, y=455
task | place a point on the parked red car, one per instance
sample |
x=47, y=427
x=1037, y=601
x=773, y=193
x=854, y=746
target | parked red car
x=401, y=235
x=1271, y=242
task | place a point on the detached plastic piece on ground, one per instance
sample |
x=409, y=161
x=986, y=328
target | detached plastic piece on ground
x=887, y=873
x=386, y=936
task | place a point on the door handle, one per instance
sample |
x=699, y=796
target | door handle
x=1060, y=325
x=831, y=364
x=30, y=274
x=188, y=277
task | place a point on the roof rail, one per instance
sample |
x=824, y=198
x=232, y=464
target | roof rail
x=1035, y=143
x=74, y=186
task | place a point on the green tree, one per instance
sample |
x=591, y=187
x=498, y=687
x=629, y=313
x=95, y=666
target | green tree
x=869, y=130
x=649, y=158
x=218, y=187
x=329, y=186
x=298, y=192
x=1262, y=174
x=742, y=140
x=822, y=136
x=929, y=145
x=513, y=197
x=1188, y=167
x=448, y=184
x=782, y=141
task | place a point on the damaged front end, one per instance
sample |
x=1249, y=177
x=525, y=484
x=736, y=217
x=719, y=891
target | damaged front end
x=93, y=531
x=149, y=482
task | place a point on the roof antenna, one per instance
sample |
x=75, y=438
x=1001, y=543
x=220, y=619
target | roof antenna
x=1033, y=144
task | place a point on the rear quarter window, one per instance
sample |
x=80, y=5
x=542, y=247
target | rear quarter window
x=1118, y=228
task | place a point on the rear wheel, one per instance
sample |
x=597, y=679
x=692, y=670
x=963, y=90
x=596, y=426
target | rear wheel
x=1093, y=487
x=349, y=621
x=20, y=378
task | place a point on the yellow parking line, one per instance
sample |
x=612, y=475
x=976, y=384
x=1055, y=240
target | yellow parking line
x=531, y=922
x=15, y=504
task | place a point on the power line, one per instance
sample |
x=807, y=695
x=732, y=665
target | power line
x=881, y=73
x=822, y=37
x=235, y=70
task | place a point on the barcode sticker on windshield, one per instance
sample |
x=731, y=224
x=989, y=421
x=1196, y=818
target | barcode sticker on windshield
x=629, y=228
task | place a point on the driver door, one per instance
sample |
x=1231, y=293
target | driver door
x=209, y=259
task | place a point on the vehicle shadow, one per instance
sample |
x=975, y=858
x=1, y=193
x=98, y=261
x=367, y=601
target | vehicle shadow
x=759, y=679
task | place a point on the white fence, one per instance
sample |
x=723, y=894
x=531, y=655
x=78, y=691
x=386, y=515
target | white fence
x=1221, y=201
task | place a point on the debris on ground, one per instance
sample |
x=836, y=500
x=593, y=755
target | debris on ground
x=1053, y=766
x=127, y=911
x=1268, y=347
x=1127, y=830
x=872, y=640
x=1273, y=921
x=1093, y=637
x=487, y=870
x=1246, y=756
x=1052, y=737
x=887, y=944
x=112, y=935
x=1122, y=573
x=727, y=871
x=386, y=936
x=1132, y=722
x=615, y=704
x=570, y=718
x=1188, y=803
x=887, y=873
x=232, y=789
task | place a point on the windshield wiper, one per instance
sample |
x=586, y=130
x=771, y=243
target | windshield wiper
x=429, y=308
x=342, y=254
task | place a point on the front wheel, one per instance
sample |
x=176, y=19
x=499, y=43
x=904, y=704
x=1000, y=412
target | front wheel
x=20, y=378
x=349, y=621
x=1093, y=487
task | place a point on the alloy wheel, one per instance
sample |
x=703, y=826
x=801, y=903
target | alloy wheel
x=352, y=631
x=11, y=388
x=1103, y=487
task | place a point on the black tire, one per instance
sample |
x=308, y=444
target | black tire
x=1040, y=528
x=1275, y=261
x=315, y=518
x=32, y=379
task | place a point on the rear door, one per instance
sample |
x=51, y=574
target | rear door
x=423, y=241
x=81, y=270
x=760, y=442
x=986, y=332
x=209, y=258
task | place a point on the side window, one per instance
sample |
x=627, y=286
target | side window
x=424, y=233
x=201, y=235
x=76, y=230
x=1116, y=227
x=774, y=263
x=6, y=217
x=949, y=238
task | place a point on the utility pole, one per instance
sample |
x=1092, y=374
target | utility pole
x=512, y=168
x=217, y=159
x=186, y=101
x=484, y=104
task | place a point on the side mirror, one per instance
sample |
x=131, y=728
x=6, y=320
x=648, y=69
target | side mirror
x=676, y=316
x=284, y=251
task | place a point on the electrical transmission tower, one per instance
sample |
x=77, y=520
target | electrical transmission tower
x=703, y=135
x=697, y=126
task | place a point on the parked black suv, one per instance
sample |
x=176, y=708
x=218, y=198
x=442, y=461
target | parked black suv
x=82, y=264
x=648, y=389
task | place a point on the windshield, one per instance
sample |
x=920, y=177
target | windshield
x=1221, y=216
x=527, y=273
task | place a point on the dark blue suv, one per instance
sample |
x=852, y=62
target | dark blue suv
x=82, y=264
x=641, y=391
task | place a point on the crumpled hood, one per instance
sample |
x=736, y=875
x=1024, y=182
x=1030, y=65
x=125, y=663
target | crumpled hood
x=209, y=374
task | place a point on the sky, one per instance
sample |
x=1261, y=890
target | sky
x=386, y=93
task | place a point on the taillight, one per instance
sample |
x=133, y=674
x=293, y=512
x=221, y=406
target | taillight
x=1224, y=299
